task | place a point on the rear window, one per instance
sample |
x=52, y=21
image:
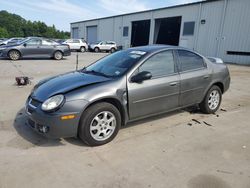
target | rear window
x=190, y=60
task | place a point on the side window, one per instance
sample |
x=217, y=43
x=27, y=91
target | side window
x=33, y=42
x=190, y=61
x=47, y=42
x=160, y=64
x=76, y=41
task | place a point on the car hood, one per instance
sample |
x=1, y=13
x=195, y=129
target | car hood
x=64, y=83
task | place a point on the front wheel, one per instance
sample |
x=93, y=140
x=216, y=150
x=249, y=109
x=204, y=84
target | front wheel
x=58, y=55
x=99, y=124
x=212, y=100
x=82, y=49
x=14, y=55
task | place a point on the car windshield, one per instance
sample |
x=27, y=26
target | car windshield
x=116, y=64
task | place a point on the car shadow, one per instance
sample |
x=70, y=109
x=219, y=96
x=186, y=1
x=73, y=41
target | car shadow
x=27, y=133
x=191, y=110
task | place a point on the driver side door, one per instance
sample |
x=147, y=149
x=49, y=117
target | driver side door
x=158, y=94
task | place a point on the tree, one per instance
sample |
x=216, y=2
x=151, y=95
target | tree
x=3, y=33
x=13, y=25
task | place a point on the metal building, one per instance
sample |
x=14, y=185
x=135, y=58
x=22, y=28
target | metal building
x=219, y=28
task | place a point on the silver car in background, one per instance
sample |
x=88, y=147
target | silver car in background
x=125, y=86
x=77, y=44
x=35, y=47
x=108, y=46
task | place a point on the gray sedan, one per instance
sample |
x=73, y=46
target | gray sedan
x=128, y=85
x=35, y=47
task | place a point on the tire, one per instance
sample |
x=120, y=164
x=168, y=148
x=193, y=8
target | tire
x=112, y=50
x=58, y=55
x=94, y=130
x=212, y=100
x=82, y=49
x=97, y=49
x=14, y=55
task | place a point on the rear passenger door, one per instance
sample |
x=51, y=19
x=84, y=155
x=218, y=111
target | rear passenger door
x=194, y=75
x=158, y=94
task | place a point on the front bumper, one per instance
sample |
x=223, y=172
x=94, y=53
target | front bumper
x=3, y=53
x=50, y=124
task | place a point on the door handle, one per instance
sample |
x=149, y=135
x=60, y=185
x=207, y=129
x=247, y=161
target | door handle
x=173, y=83
x=206, y=77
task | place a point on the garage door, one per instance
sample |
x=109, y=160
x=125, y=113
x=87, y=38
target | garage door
x=91, y=34
x=75, y=33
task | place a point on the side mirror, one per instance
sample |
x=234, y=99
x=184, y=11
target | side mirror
x=141, y=76
x=24, y=44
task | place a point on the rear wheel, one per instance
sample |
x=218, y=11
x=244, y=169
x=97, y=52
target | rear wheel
x=58, y=55
x=14, y=55
x=99, y=124
x=82, y=49
x=97, y=49
x=212, y=100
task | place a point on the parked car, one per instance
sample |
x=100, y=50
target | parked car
x=10, y=41
x=60, y=41
x=77, y=44
x=103, y=46
x=35, y=47
x=128, y=85
x=2, y=39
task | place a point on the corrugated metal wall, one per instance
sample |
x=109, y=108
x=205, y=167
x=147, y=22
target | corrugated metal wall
x=226, y=27
x=236, y=32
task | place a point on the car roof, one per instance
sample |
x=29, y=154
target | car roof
x=156, y=47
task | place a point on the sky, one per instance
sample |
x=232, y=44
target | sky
x=62, y=12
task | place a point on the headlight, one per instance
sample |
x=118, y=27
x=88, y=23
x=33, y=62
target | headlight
x=53, y=103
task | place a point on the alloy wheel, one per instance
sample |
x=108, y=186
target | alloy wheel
x=214, y=99
x=103, y=125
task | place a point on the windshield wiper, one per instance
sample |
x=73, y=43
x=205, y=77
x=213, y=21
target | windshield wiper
x=95, y=72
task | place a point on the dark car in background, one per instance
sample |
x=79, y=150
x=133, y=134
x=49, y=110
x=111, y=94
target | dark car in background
x=128, y=85
x=35, y=47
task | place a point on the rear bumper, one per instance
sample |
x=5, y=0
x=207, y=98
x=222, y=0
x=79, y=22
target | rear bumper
x=67, y=53
x=227, y=83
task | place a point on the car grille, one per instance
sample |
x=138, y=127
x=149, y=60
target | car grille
x=31, y=123
x=34, y=103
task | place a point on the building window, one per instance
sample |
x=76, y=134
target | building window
x=188, y=28
x=125, y=31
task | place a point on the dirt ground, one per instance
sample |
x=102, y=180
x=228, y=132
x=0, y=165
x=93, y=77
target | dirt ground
x=184, y=148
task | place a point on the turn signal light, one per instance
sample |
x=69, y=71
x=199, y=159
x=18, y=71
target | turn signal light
x=67, y=117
